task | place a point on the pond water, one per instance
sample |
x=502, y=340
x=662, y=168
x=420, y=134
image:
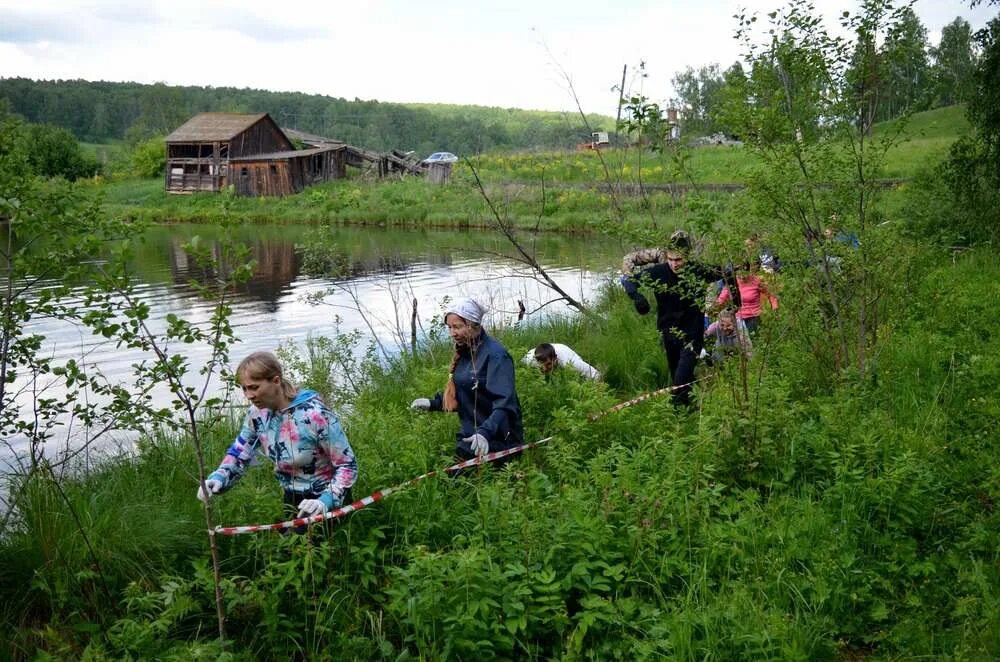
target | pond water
x=377, y=273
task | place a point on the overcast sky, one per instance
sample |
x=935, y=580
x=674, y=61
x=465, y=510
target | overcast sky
x=514, y=53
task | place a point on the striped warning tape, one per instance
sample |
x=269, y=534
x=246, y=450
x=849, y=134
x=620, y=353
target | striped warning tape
x=381, y=494
x=640, y=398
x=377, y=496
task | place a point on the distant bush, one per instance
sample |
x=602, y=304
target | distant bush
x=55, y=152
x=953, y=202
x=972, y=178
x=149, y=158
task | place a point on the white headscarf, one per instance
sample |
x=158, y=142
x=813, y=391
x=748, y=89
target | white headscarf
x=468, y=309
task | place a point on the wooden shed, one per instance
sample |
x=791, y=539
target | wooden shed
x=285, y=173
x=250, y=151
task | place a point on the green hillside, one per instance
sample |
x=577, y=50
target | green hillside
x=928, y=136
x=101, y=112
x=949, y=123
x=925, y=138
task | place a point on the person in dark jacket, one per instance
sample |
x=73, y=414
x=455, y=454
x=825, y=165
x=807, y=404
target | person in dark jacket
x=679, y=288
x=480, y=387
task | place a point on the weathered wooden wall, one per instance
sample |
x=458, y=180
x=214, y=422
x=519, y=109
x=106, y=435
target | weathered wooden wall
x=285, y=175
x=254, y=178
x=199, y=166
x=191, y=181
x=261, y=138
x=322, y=167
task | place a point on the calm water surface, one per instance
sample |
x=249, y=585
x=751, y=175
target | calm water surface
x=374, y=276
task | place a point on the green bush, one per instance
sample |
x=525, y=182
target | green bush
x=55, y=152
x=149, y=158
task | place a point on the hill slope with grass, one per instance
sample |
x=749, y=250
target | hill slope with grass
x=922, y=138
x=927, y=138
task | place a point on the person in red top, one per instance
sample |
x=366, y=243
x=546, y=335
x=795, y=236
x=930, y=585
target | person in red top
x=753, y=292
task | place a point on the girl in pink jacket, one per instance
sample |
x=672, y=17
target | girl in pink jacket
x=753, y=292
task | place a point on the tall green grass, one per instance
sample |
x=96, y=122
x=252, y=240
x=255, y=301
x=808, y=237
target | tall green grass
x=825, y=523
x=407, y=203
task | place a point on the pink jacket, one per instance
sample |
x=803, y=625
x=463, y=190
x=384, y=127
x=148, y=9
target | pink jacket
x=752, y=291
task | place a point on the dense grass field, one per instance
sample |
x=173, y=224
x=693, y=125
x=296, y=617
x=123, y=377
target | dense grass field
x=808, y=523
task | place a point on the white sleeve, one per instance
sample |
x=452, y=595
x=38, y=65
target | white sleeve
x=529, y=358
x=570, y=358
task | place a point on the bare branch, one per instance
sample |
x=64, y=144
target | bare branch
x=506, y=229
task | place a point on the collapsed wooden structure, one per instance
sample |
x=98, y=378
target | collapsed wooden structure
x=380, y=164
x=248, y=151
x=257, y=157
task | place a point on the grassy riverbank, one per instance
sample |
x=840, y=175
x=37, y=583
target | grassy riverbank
x=809, y=521
x=522, y=187
x=408, y=203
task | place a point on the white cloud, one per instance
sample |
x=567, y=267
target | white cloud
x=510, y=54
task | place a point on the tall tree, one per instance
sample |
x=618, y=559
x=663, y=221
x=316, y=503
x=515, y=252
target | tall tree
x=698, y=96
x=954, y=62
x=906, y=66
x=865, y=77
x=973, y=167
x=798, y=111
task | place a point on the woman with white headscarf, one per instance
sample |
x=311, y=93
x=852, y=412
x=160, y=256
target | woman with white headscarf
x=480, y=387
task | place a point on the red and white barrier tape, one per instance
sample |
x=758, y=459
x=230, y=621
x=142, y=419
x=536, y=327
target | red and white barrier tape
x=640, y=398
x=377, y=496
x=381, y=494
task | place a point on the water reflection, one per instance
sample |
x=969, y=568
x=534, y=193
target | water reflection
x=368, y=278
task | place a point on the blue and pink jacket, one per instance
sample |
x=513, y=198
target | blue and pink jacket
x=306, y=443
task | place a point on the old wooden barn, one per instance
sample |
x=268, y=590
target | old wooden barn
x=249, y=151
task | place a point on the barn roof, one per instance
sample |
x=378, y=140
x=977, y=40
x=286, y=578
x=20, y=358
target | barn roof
x=310, y=139
x=273, y=156
x=208, y=127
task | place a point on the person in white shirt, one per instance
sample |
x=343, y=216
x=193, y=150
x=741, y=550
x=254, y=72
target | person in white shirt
x=548, y=356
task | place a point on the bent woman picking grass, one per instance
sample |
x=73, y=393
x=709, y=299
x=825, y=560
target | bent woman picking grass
x=313, y=461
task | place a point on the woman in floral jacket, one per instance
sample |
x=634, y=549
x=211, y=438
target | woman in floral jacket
x=312, y=459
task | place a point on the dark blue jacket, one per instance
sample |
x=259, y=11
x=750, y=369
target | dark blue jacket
x=484, y=388
x=680, y=298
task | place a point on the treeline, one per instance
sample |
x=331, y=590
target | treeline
x=106, y=111
x=909, y=73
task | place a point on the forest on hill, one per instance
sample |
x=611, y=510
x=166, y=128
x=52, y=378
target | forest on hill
x=914, y=75
x=105, y=111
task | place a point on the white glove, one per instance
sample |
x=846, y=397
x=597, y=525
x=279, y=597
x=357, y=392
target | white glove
x=479, y=444
x=213, y=485
x=421, y=404
x=310, y=507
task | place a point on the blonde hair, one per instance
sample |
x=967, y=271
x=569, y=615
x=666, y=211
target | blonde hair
x=265, y=365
